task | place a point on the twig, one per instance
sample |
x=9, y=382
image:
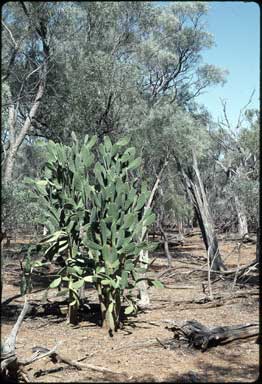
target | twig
x=209, y=267
x=164, y=272
x=36, y=356
x=181, y=287
x=228, y=272
x=162, y=344
x=49, y=371
x=57, y=357
x=87, y=366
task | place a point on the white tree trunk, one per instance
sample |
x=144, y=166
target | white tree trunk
x=197, y=192
x=16, y=137
x=142, y=285
x=242, y=219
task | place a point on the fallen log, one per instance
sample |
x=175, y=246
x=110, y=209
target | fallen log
x=244, y=239
x=196, y=335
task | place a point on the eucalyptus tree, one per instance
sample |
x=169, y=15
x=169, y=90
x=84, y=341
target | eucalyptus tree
x=108, y=63
x=115, y=60
x=26, y=57
x=172, y=74
x=95, y=86
x=169, y=55
x=124, y=67
x=187, y=140
x=238, y=160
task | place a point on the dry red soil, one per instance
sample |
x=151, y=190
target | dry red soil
x=132, y=350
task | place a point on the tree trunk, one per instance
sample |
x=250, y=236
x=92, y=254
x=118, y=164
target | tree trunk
x=17, y=137
x=166, y=247
x=258, y=245
x=9, y=166
x=195, y=187
x=180, y=227
x=242, y=219
x=142, y=285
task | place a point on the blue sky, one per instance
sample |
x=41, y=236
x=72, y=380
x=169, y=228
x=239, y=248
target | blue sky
x=235, y=26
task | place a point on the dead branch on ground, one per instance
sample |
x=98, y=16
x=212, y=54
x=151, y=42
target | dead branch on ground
x=196, y=335
x=11, y=368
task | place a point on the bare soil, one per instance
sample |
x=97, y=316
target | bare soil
x=134, y=350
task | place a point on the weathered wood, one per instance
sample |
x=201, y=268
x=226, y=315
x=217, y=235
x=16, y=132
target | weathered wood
x=10, y=366
x=242, y=269
x=194, y=186
x=57, y=358
x=166, y=246
x=196, y=335
x=247, y=238
x=10, y=342
x=144, y=300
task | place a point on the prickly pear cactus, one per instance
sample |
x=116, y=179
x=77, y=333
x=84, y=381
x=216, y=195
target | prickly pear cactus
x=63, y=193
x=116, y=224
x=95, y=216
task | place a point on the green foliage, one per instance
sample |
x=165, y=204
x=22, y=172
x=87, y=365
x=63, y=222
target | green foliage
x=63, y=194
x=27, y=266
x=18, y=207
x=95, y=216
x=236, y=150
x=136, y=71
x=116, y=227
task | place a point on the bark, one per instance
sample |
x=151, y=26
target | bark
x=10, y=367
x=142, y=285
x=17, y=134
x=199, y=336
x=194, y=185
x=240, y=209
x=166, y=247
x=180, y=227
x=15, y=140
x=242, y=219
x=258, y=245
